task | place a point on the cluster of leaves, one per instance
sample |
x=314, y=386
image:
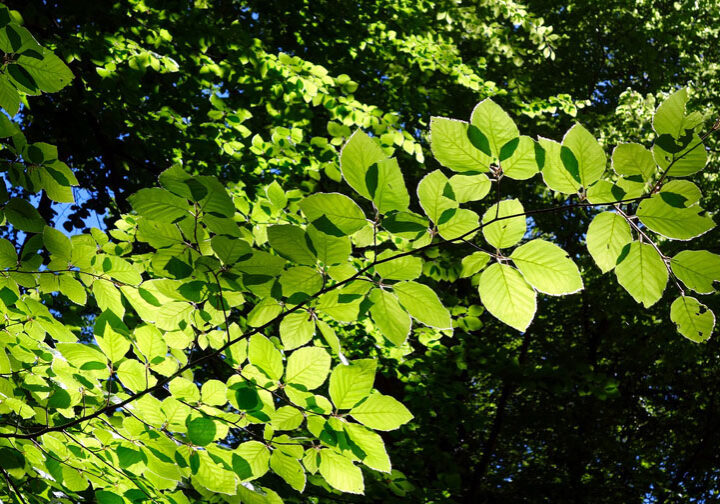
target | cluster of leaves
x=201, y=274
x=28, y=69
x=257, y=98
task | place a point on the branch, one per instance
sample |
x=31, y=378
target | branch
x=12, y=485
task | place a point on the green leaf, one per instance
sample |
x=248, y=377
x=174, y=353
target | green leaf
x=451, y=144
x=606, y=237
x=23, y=216
x=381, y=412
x=633, y=159
x=308, y=367
x=586, y=158
x=333, y=213
x=669, y=118
x=9, y=96
x=8, y=254
x=276, y=195
x=176, y=180
x=214, y=478
x=697, y=269
x=182, y=388
x=246, y=396
x=329, y=249
x=287, y=418
x=470, y=187
x=642, y=272
x=387, y=186
x=159, y=205
x=553, y=170
x=229, y=250
x=672, y=222
x=22, y=80
x=473, y=263
x=338, y=306
x=403, y=268
x=349, y=384
x=688, y=161
x=506, y=231
x=7, y=127
x=392, y=320
x=462, y=223
x=201, y=430
x=300, y=280
x=604, y=191
x=250, y=460
x=547, y=267
x=289, y=469
x=406, y=225
x=435, y=194
x=17, y=39
x=50, y=73
x=680, y=193
x=495, y=124
x=110, y=336
x=119, y=269
x=330, y=336
x=217, y=201
x=57, y=243
x=507, y=296
x=214, y=393
x=263, y=354
x=518, y=158
x=296, y=329
x=261, y=263
x=134, y=376
x=374, y=454
x=149, y=341
x=358, y=154
x=73, y=480
x=341, y=473
x=79, y=354
x=423, y=304
x=693, y=319
x=263, y=312
x=291, y=242
x=105, y=497
x=73, y=289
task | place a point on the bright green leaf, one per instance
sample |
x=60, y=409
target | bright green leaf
x=547, y=267
x=333, y=213
x=507, y=296
x=606, y=237
x=586, y=158
x=436, y=196
x=351, y=383
x=642, y=272
x=693, y=319
x=698, y=269
x=308, y=367
x=673, y=222
x=381, y=412
x=423, y=304
x=495, y=124
x=392, y=320
x=499, y=228
x=452, y=146
x=341, y=473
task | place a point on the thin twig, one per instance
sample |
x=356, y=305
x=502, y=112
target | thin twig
x=12, y=485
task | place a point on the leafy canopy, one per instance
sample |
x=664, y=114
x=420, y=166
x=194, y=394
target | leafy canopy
x=261, y=284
